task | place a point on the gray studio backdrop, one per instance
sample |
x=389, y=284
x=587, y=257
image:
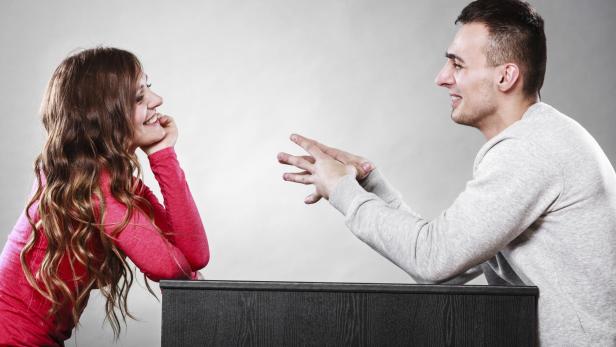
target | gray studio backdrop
x=240, y=76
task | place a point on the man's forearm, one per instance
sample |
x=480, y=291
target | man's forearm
x=376, y=183
x=391, y=231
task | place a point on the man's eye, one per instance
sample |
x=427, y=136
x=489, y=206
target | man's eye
x=148, y=85
x=457, y=66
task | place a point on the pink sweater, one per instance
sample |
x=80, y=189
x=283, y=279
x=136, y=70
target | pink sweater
x=23, y=311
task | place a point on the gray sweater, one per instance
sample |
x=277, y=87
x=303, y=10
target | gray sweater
x=540, y=210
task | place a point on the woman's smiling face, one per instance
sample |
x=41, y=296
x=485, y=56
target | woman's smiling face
x=147, y=129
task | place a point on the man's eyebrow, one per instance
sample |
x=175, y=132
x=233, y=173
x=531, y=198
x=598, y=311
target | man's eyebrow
x=453, y=57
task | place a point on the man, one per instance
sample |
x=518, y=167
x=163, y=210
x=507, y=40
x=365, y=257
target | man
x=540, y=208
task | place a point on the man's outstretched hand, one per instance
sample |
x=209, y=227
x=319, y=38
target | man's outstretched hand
x=323, y=167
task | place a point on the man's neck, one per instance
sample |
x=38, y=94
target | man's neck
x=507, y=114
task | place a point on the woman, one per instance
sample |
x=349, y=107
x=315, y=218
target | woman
x=88, y=211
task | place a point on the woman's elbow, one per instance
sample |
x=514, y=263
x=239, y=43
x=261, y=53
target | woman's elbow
x=201, y=261
x=170, y=273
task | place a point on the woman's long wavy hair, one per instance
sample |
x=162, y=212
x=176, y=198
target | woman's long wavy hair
x=87, y=111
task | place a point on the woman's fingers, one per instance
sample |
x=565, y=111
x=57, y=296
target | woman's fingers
x=165, y=120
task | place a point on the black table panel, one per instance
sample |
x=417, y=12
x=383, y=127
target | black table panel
x=234, y=313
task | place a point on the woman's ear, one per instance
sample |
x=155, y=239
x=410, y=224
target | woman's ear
x=507, y=77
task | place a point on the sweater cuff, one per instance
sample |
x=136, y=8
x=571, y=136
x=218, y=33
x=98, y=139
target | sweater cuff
x=376, y=183
x=344, y=193
x=372, y=180
x=168, y=152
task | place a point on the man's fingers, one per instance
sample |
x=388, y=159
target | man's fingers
x=312, y=198
x=308, y=145
x=300, y=177
x=283, y=155
x=364, y=169
x=308, y=158
x=335, y=153
x=302, y=162
x=363, y=166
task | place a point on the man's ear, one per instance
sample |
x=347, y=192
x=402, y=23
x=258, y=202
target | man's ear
x=507, y=77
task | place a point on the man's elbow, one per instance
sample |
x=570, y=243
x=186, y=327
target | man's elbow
x=429, y=278
x=435, y=274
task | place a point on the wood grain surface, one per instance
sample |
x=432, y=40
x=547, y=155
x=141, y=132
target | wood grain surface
x=305, y=314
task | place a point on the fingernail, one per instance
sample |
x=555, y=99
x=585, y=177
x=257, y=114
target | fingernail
x=293, y=137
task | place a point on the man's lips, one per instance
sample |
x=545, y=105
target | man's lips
x=455, y=99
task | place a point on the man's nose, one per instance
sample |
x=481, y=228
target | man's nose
x=444, y=78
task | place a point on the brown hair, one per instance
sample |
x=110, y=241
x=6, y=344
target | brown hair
x=86, y=111
x=517, y=35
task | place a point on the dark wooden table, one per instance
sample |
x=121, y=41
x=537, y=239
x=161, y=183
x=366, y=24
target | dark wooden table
x=235, y=313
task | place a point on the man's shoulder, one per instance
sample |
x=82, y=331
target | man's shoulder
x=543, y=133
x=542, y=123
x=509, y=148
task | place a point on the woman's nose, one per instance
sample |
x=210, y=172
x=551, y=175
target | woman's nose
x=155, y=100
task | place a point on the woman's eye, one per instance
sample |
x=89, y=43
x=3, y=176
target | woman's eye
x=139, y=98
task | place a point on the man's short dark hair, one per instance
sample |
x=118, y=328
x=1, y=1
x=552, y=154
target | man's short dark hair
x=516, y=35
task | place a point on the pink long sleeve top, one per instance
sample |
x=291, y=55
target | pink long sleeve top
x=177, y=254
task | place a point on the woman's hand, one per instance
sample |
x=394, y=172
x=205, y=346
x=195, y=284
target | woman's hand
x=169, y=139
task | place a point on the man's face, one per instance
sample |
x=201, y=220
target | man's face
x=468, y=77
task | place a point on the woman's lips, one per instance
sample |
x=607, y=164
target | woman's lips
x=152, y=120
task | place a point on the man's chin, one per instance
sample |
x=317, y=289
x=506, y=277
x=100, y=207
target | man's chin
x=455, y=115
x=459, y=118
